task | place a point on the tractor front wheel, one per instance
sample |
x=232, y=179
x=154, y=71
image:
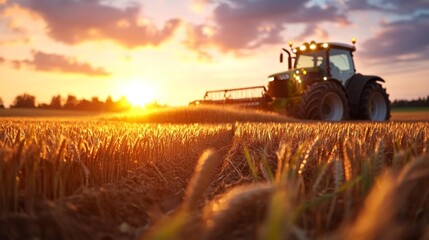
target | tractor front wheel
x=374, y=104
x=324, y=101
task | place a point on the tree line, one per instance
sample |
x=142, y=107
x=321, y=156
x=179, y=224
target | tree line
x=71, y=103
x=420, y=102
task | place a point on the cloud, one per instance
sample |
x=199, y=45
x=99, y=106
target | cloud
x=393, y=6
x=409, y=6
x=14, y=18
x=198, y=5
x=401, y=40
x=75, y=21
x=54, y=62
x=313, y=29
x=247, y=24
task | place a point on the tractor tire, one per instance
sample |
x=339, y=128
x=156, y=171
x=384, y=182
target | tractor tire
x=374, y=104
x=324, y=101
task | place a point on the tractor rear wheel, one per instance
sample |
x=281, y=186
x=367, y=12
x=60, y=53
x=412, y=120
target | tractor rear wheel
x=324, y=101
x=374, y=104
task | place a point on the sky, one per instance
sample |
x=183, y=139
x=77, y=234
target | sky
x=172, y=51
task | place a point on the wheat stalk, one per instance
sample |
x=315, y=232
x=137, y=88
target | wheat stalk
x=225, y=211
x=206, y=167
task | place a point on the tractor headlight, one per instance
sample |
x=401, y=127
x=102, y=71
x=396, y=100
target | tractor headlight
x=270, y=79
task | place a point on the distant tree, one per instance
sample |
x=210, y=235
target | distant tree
x=71, y=102
x=420, y=102
x=24, y=101
x=1, y=103
x=122, y=104
x=84, y=105
x=109, y=105
x=154, y=105
x=43, y=105
x=96, y=104
x=56, y=102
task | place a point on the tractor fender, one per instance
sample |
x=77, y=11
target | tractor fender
x=354, y=88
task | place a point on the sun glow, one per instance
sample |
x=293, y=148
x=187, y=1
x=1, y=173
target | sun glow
x=138, y=93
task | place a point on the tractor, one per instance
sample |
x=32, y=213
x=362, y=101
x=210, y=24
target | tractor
x=321, y=83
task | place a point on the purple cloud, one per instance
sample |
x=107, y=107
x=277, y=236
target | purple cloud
x=247, y=24
x=54, y=62
x=400, y=40
x=75, y=21
x=393, y=6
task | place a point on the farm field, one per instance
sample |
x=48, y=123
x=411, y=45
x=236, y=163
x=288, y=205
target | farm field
x=197, y=174
x=418, y=114
x=405, y=114
x=43, y=113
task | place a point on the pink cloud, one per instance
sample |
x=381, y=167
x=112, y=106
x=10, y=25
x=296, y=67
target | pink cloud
x=58, y=63
x=74, y=21
x=246, y=24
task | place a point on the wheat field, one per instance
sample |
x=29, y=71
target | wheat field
x=123, y=179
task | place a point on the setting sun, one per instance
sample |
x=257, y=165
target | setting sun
x=139, y=93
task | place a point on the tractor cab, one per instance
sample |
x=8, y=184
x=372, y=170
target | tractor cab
x=338, y=55
x=313, y=62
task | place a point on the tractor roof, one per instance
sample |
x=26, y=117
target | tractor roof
x=308, y=47
x=342, y=46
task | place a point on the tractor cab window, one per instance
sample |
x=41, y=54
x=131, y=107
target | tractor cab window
x=341, y=64
x=309, y=59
